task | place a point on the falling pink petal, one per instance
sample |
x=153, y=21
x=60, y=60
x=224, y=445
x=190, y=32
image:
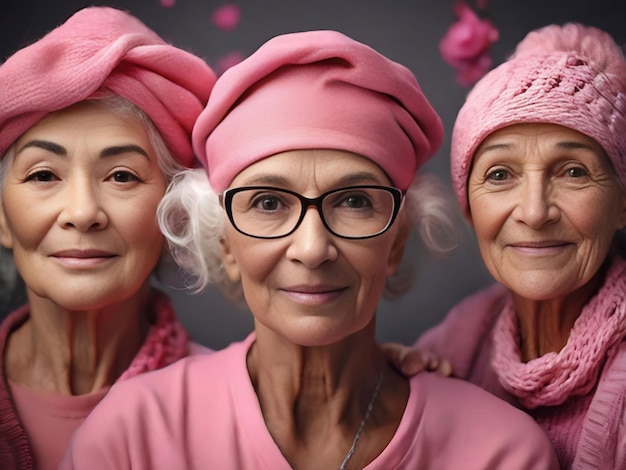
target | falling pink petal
x=227, y=61
x=466, y=45
x=168, y=3
x=226, y=17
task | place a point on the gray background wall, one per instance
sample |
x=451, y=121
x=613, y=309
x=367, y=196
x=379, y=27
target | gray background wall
x=407, y=31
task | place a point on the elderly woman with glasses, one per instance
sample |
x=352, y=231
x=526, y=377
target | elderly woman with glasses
x=311, y=145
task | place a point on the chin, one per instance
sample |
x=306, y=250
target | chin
x=312, y=334
x=538, y=292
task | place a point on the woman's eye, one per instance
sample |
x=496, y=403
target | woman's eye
x=357, y=201
x=267, y=203
x=41, y=176
x=576, y=172
x=123, y=177
x=498, y=175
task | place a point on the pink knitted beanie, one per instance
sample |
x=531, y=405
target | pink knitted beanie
x=102, y=50
x=316, y=90
x=573, y=76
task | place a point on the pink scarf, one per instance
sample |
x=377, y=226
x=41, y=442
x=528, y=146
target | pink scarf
x=551, y=379
x=166, y=342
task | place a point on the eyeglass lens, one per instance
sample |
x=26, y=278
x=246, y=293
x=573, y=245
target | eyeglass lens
x=351, y=212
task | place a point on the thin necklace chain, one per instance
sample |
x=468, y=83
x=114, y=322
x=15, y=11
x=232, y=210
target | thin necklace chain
x=368, y=412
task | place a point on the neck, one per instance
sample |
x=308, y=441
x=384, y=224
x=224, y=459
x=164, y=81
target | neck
x=77, y=352
x=545, y=325
x=313, y=396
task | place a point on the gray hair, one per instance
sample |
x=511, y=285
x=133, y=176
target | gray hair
x=193, y=222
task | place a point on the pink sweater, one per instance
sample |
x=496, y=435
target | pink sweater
x=581, y=404
x=35, y=426
x=203, y=413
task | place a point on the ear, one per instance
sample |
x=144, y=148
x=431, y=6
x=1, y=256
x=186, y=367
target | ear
x=399, y=244
x=231, y=267
x=6, y=237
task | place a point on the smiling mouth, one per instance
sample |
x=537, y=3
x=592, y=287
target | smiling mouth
x=82, y=254
x=541, y=245
x=313, y=295
x=545, y=248
x=82, y=258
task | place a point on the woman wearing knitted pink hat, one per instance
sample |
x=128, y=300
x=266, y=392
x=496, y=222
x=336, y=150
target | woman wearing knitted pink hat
x=541, y=177
x=311, y=144
x=95, y=118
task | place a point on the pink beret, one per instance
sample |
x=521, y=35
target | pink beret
x=102, y=49
x=316, y=90
x=573, y=76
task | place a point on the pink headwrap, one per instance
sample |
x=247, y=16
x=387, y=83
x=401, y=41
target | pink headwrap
x=573, y=76
x=100, y=50
x=316, y=90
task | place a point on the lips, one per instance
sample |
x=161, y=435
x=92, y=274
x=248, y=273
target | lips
x=82, y=259
x=541, y=248
x=82, y=254
x=540, y=244
x=313, y=294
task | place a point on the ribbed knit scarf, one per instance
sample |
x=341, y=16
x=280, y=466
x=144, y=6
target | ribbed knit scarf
x=551, y=379
x=166, y=342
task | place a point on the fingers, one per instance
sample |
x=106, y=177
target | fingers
x=410, y=361
x=445, y=368
x=404, y=359
x=414, y=361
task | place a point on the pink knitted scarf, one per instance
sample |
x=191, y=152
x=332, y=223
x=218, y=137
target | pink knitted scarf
x=551, y=379
x=166, y=342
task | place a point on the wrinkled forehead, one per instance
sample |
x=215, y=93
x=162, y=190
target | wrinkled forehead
x=312, y=168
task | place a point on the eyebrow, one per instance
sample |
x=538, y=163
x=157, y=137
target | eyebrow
x=565, y=145
x=348, y=180
x=574, y=146
x=45, y=145
x=107, y=152
x=121, y=149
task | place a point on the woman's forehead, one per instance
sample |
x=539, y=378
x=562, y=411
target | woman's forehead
x=303, y=167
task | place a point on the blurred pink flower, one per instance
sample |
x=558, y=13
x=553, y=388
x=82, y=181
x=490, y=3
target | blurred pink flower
x=466, y=45
x=227, y=61
x=168, y=3
x=226, y=17
x=470, y=72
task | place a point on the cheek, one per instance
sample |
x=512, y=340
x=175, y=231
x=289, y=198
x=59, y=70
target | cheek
x=597, y=227
x=488, y=216
x=249, y=261
x=136, y=217
x=484, y=227
x=371, y=265
x=25, y=224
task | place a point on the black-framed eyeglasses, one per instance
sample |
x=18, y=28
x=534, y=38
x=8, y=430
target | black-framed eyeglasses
x=355, y=212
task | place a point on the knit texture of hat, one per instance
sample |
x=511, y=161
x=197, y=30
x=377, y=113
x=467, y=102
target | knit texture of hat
x=105, y=50
x=573, y=76
x=316, y=90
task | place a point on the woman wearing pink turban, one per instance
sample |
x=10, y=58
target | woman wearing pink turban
x=311, y=146
x=95, y=119
x=539, y=168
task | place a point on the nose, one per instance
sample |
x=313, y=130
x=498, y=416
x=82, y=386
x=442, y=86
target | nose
x=82, y=208
x=535, y=205
x=311, y=243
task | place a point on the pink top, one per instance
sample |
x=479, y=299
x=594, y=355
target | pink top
x=203, y=412
x=35, y=426
x=50, y=419
x=586, y=417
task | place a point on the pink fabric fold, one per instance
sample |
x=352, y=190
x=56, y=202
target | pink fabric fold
x=105, y=50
